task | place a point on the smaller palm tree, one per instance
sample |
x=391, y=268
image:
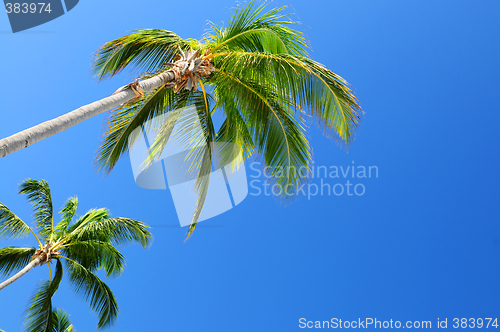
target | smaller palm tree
x=86, y=244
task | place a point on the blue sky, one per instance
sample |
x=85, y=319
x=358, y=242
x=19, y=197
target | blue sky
x=422, y=243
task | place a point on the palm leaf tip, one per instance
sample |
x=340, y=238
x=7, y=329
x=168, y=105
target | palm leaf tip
x=61, y=321
x=11, y=225
x=68, y=212
x=190, y=231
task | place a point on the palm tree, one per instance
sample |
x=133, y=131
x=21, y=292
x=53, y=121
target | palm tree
x=257, y=63
x=86, y=244
x=255, y=73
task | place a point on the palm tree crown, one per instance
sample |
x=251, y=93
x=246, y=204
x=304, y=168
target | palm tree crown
x=85, y=244
x=257, y=77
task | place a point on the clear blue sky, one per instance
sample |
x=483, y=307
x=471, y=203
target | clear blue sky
x=422, y=243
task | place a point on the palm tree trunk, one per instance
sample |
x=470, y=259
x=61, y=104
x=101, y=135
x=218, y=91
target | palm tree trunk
x=19, y=274
x=46, y=129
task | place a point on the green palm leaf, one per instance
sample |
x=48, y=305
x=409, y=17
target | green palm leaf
x=39, y=313
x=11, y=225
x=123, y=121
x=118, y=230
x=91, y=216
x=149, y=48
x=95, y=291
x=185, y=120
x=200, y=157
x=276, y=128
x=321, y=92
x=94, y=255
x=203, y=178
x=251, y=29
x=39, y=196
x=14, y=258
x=234, y=130
x=68, y=212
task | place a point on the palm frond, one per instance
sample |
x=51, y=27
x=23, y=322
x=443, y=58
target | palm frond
x=39, y=196
x=305, y=83
x=91, y=216
x=235, y=129
x=95, y=291
x=68, y=212
x=39, y=313
x=118, y=230
x=61, y=321
x=149, y=49
x=253, y=30
x=123, y=121
x=11, y=225
x=275, y=127
x=14, y=259
x=202, y=181
x=183, y=123
x=94, y=254
x=285, y=149
x=197, y=142
x=329, y=98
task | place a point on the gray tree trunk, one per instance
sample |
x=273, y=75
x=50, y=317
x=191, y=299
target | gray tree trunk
x=46, y=129
x=19, y=274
